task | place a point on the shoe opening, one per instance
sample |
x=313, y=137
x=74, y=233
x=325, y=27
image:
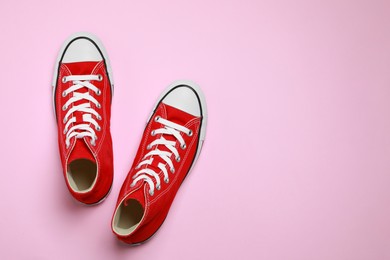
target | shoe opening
x=127, y=217
x=82, y=175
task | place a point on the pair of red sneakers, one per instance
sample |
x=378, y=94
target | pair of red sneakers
x=172, y=140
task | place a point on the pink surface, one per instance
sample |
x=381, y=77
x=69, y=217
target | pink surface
x=296, y=163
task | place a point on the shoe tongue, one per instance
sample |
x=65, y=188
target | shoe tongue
x=177, y=116
x=81, y=151
x=138, y=195
x=81, y=68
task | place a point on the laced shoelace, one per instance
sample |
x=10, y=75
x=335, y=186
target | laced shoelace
x=85, y=128
x=146, y=174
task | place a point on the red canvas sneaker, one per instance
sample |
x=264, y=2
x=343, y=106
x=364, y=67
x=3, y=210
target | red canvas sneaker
x=82, y=90
x=169, y=148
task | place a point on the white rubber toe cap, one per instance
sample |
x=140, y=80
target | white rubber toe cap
x=81, y=49
x=185, y=99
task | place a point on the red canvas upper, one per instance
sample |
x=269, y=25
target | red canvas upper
x=101, y=153
x=156, y=206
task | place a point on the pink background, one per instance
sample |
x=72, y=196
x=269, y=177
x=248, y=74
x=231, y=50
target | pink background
x=296, y=161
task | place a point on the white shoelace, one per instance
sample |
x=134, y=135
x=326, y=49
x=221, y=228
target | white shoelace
x=81, y=130
x=145, y=174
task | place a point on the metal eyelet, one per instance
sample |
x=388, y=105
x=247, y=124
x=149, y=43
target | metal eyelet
x=64, y=108
x=153, y=133
x=172, y=170
x=64, y=94
x=98, y=105
x=64, y=79
x=65, y=130
x=183, y=146
x=98, y=92
x=151, y=193
x=157, y=118
x=190, y=133
x=99, y=117
x=65, y=120
x=148, y=147
x=100, y=77
x=98, y=128
x=177, y=159
x=158, y=187
x=166, y=180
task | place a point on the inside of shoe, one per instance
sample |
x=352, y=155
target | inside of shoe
x=128, y=217
x=82, y=174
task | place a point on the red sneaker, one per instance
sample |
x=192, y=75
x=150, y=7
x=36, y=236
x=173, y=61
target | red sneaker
x=82, y=89
x=169, y=148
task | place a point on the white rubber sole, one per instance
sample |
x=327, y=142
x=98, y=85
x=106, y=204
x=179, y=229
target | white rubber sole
x=64, y=46
x=199, y=92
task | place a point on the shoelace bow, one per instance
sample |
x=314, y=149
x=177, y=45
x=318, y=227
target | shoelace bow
x=83, y=129
x=169, y=128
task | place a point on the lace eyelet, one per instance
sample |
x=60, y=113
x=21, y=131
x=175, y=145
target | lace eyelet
x=64, y=108
x=148, y=147
x=166, y=180
x=151, y=193
x=190, y=133
x=100, y=77
x=183, y=146
x=153, y=133
x=98, y=105
x=157, y=118
x=158, y=187
x=99, y=117
x=65, y=130
x=64, y=94
x=98, y=92
x=65, y=120
x=177, y=159
x=172, y=170
x=98, y=128
x=64, y=79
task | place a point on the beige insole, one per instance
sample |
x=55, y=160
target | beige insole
x=82, y=174
x=127, y=217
